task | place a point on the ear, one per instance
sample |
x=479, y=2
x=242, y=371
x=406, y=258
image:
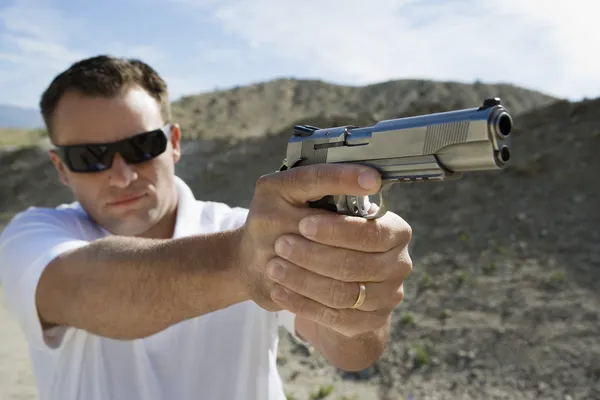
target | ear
x=59, y=166
x=176, y=142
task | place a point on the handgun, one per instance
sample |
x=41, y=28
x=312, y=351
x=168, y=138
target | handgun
x=432, y=147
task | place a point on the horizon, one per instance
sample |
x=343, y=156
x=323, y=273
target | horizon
x=329, y=82
x=198, y=45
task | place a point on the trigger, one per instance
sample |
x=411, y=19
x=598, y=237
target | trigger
x=358, y=205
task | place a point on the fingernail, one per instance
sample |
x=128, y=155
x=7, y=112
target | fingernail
x=367, y=179
x=276, y=272
x=279, y=293
x=308, y=227
x=283, y=248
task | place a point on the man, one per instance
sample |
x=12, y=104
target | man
x=139, y=291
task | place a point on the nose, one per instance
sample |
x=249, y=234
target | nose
x=121, y=173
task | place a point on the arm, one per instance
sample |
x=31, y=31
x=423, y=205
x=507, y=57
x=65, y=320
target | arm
x=347, y=353
x=127, y=288
x=117, y=287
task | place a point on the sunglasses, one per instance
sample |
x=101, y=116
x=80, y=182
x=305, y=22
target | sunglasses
x=97, y=157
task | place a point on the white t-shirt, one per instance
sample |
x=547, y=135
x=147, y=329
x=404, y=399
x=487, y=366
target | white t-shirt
x=229, y=354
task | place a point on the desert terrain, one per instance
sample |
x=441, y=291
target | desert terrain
x=503, y=301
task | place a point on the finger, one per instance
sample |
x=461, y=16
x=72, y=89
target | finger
x=344, y=264
x=376, y=235
x=333, y=293
x=312, y=182
x=349, y=322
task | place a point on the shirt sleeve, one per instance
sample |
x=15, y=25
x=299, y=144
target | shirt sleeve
x=28, y=244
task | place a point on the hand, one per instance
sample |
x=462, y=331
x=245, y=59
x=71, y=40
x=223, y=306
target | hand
x=280, y=201
x=318, y=275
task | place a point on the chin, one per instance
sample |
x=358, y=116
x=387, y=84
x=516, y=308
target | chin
x=138, y=221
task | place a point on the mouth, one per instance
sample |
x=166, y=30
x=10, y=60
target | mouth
x=126, y=200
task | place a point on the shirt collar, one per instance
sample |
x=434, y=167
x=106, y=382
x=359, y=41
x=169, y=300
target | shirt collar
x=188, y=211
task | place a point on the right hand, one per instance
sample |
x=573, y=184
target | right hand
x=280, y=201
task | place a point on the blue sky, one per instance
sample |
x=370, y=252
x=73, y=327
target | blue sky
x=200, y=45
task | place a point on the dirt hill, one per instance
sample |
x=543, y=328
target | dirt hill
x=503, y=302
x=252, y=110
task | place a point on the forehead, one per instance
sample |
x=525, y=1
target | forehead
x=82, y=119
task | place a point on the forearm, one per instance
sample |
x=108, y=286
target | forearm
x=128, y=288
x=347, y=353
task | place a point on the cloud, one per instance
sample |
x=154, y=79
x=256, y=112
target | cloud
x=38, y=41
x=526, y=42
x=199, y=45
x=32, y=48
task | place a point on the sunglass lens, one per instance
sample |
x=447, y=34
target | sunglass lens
x=89, y=158
x=144, y=147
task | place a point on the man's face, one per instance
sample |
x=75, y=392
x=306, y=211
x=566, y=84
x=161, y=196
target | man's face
x=82, y=120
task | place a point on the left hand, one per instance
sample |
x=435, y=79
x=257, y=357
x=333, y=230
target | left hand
x=319, y=275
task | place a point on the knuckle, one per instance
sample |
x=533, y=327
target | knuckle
x=406, y=264
x=408, y=232
x=398, y=231
x=398, y=264
x=331, y=175
x=398, y=295
x=341, y=175
x=341, y=295
x=293, y=277
x=299, y=282
x=383, y=235
x=300, y=253
x=403, y=231
x=315, y=174
x=328, y=316
x=318, y=175
x=297, y=178
x=302, y=179
x=264, y=183
x=380, y=268
x=371, y=234
x=350, y=266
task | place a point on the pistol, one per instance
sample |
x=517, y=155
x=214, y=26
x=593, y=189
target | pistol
x=432, y=147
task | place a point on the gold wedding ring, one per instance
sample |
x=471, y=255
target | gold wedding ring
x=362, y=295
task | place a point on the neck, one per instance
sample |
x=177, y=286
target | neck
x=165, y=228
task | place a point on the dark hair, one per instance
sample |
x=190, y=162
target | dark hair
x=105, y=76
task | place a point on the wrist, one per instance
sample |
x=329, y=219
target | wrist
x=212, y=278
x=236, y=265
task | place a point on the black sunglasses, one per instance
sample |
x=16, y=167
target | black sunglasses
x=97, y=157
